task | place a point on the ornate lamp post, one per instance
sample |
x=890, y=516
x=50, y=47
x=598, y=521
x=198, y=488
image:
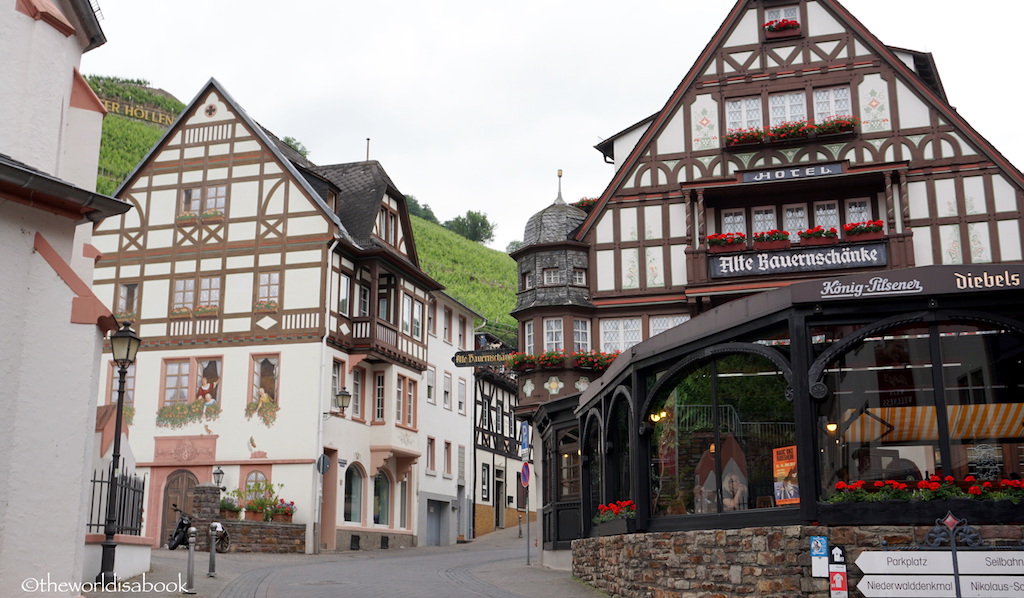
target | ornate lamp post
x=124, y=345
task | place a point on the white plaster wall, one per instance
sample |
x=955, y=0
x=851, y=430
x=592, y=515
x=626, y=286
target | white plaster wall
x=37, y=74
x=82, y=148
x=50, y=366
x=624, y=145
x=913, y=112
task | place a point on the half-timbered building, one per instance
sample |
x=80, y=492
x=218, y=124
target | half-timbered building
x=798, y=152
x=262, y=285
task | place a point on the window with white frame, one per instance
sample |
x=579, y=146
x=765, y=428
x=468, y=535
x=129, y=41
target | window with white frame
x=499, y=418
x=826, y=214
x=553, y=334
x=410, y=402
x=127, y=299
x=527, y=281
x=268, y=288
x=209, y=292
x=834, y=101
x=579, y=277
x=378, y=398
x=184, y=296
x=743, y=113
x=431, y=463
x=344, y=294
x=197, y=200
x=795, y=219
x=528, y=337
x=462, y=396
x=447, y=391
x=620, y=334
x=782, y=12
x=431, y=375
x=407, y=314
x=337, y=378
x=734, y=221
x=552, y=276
x=417, y=320
x=364, y=301
x=858, y=210
x=357, y=393
x=764, y=219
x=787, y=107
x=581, y=335
x=462, y=333
x=660, y=324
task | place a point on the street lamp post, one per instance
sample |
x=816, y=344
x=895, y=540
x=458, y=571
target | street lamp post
x=124, y=345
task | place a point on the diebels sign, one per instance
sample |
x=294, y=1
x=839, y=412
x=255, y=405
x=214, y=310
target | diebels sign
x=924, y=280
x=833, y=257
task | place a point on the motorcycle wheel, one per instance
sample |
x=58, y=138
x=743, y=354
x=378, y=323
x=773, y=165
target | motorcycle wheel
x=176, y=540
x=223, y=542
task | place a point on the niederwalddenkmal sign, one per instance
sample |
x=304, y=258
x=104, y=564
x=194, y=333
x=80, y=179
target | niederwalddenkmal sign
x=832, y=257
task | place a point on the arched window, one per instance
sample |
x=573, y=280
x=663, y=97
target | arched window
x=913, y=400
x=724, y=437
x=353, y=495
x=255, y=485
x=594, y=457
x=381, y=499
x=618, y=458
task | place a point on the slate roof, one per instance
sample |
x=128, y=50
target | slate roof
x=361, y=186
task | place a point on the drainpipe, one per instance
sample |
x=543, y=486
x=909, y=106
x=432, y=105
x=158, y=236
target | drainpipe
x=318, y=478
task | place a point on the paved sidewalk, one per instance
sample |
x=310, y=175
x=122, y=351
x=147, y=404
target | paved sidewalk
x=491, y=565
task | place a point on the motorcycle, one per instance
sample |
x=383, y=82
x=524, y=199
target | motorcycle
x=179, y=537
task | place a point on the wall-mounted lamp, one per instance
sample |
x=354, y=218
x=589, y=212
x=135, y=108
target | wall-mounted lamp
x=657, y=417
x=339, y=403
x=218, y=478
x=831, y=426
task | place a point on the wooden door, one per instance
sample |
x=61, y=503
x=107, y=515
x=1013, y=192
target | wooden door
x=177, y=490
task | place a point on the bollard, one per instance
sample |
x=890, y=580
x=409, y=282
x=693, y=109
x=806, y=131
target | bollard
x=520, y=526
x=216, y=529
x=190, y=570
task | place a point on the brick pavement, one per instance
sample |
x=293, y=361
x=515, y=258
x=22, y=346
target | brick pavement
x=492, y=566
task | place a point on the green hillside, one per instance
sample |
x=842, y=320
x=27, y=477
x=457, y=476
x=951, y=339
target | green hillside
x=126, y=141
x=483, y=279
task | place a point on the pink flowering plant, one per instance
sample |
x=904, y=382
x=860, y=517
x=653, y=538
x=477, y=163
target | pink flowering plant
x=934, y=488
x=623, y=509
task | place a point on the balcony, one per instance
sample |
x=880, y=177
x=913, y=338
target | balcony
x=380, y=336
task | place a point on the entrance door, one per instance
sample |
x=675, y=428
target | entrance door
x=499, y=504
x=177, y=490
x=434, y=522
x=329, y=506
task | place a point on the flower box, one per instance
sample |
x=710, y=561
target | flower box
x=281, y=517
x=920, y=512
x=186, y=218
x=265, y=307
x=869, y=236
x=766, y=245
x=254, y=515
x=785, y=33
x=181, y=312
x=730, y=248
x=614, y=527
x=229, y=515
x=807, y=241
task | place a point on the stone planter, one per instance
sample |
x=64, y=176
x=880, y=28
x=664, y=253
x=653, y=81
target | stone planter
x=254, y=516
x=920, y=512
x=764, y=245
x=613, y=528
x=798, y=32
x=281, y=517
x=808, y=241
x=730, y=248
x=227, y=515
x=872, y=236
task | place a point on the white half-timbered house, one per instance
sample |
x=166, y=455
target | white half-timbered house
x=794, y=117
x=262, y=284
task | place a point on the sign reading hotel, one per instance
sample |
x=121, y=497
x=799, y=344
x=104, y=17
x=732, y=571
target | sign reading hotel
x=786, y=174
x=810, y=259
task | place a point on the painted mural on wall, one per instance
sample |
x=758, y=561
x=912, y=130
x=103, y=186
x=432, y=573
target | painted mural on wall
x=191, y=392
x=263, y=398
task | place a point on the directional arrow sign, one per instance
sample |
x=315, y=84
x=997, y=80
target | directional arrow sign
x=991, y=562
x=837, y=555
x=906, y=562
x=941, y=586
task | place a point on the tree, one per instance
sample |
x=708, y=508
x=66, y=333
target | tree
x=296, y=145
x=474, y=226
x=423, y=211
x=514, y=246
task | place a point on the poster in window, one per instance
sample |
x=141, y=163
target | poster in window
x=787, y=490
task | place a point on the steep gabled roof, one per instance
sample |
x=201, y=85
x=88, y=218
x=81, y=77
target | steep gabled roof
x=924, y=81
x=269, y=141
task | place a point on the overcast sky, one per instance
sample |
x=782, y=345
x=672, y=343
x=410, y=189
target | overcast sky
x=476, y=105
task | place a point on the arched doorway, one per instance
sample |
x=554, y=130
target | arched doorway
x=177, y=490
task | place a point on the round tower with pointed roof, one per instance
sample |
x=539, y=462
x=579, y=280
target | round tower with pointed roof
x=553, y=268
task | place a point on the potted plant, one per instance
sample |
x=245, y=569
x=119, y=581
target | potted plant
x=586, y=203
x=818, y=236
x=614, y=518
x=521, y=362
x=919, y=502
x=724, y=242
x=282, y=511
x=837, y=125
x=740, y=137
x=265, y=305
x=772, y=239
x=864, y=231
x=229, y=508
x=552, y=359
x=780, y=28
x=799, y=129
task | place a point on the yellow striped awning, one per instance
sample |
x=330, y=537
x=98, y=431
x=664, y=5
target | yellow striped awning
x=908, y=424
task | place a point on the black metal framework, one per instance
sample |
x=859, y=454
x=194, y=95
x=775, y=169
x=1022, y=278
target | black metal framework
x=131, y=490
x=784, y=333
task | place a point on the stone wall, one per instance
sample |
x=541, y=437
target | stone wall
x=246, y=536
x=371, y=540
x=767, y=562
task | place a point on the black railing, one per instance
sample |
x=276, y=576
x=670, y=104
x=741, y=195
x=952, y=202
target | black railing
x=130, y=492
